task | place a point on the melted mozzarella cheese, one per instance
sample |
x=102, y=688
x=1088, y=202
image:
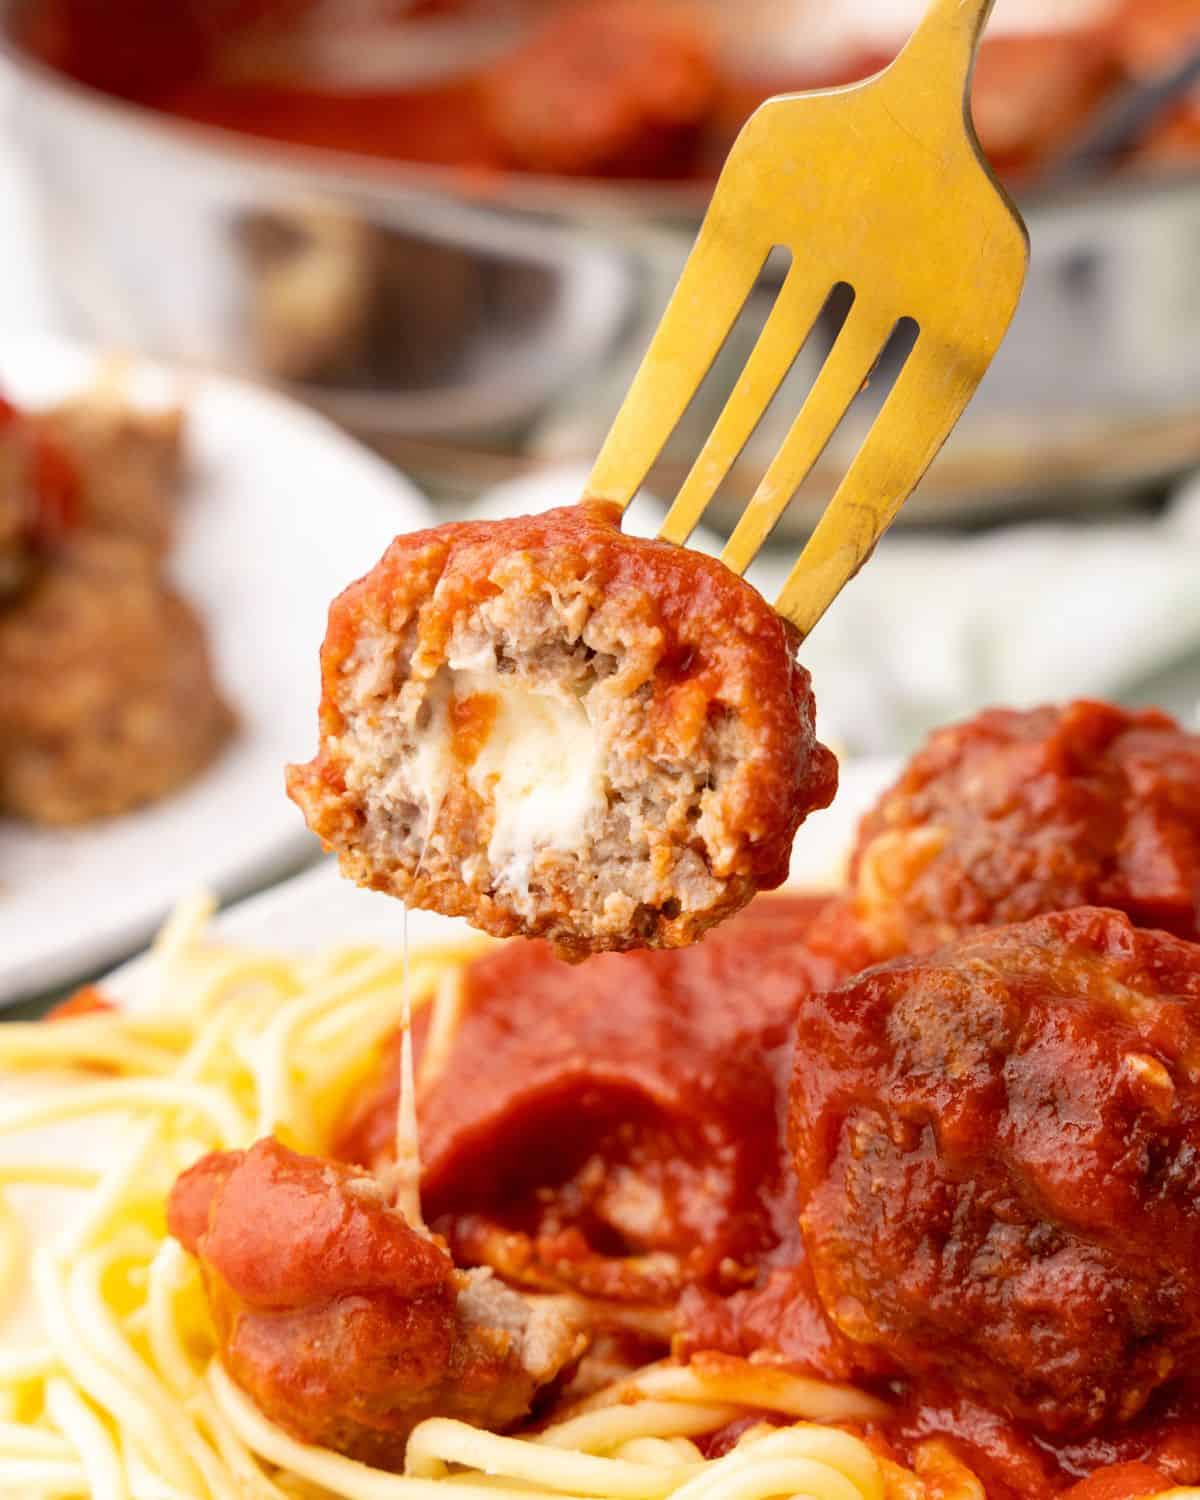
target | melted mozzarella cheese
x=428, y=766
x=541, y=766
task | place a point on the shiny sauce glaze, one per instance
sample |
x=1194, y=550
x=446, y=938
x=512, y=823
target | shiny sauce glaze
x=997, y=1180
x=616, y=1128
x=1015, y=813
x=644, y=1090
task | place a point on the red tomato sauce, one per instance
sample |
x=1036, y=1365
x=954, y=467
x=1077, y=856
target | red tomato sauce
x=87, y=1001
x=590, y=1117
x=436, y=126
x=646, y=96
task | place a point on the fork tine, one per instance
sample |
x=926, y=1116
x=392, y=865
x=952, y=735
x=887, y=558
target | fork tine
x=791, y=319
x=926, y=401
x=854, y=355
x=717, y=278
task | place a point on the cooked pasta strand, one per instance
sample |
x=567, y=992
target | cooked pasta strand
x=127, y=1399
x=341, y=1476
x=12, y=1247
x=90, y=1439
x=439, y=1442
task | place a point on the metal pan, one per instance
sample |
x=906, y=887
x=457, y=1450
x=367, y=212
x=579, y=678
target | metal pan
x=475, y=329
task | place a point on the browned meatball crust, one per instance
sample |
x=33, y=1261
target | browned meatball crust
x=17, y=554
x=998, y=1156
x=1012, y=814
x=39, y=497
x=107, y=699
x=128, y=461
x=554, y=729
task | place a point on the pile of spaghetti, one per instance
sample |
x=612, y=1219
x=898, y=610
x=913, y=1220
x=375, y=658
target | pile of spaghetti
x=109, y=1385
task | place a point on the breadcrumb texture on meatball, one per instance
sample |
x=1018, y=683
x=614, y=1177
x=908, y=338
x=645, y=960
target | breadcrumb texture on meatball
x=998, y=1155
x=107, y=697
x=553, y=729
x=1012, y=814
x=129, y=460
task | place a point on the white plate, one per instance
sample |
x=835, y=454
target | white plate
x=281, y=511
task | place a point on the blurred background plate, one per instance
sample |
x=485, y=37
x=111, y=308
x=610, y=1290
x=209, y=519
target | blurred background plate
x=280, y=512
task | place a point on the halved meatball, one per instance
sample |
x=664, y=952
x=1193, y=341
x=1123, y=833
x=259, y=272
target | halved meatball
x=1012, y=814
x=998, y=1156
x=554, y=729
x=345, y=1324
x=107, y=698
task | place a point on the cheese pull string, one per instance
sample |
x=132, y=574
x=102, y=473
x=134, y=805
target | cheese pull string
x=406, y=1183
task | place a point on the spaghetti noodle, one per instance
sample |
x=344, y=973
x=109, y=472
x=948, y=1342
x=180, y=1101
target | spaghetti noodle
x=118, y=1394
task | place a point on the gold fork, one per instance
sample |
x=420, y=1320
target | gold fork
x=881, y=185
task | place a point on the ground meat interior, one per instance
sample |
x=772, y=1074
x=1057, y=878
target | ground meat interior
x=554, y=729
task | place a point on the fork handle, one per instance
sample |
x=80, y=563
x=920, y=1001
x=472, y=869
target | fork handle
x=946, y=41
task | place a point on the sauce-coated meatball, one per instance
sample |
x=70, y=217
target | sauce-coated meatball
x=998, y=1155
x=345, y=1324
x=1013, y=814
